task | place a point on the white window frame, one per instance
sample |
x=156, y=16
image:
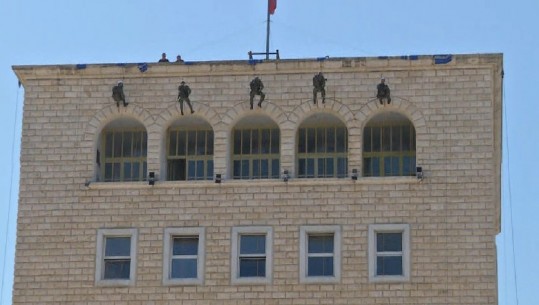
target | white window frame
x=235, y=254
x=171, y=233
x=404, y=229
x=102, y=235
x=305, y=231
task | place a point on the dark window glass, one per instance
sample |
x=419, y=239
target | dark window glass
x=320, y=244
x=330, y=132
x=275, y=140
x=330, y=167
x=117, y=144
x=389, y=242
x=396, y=138
x=342, y=167
x=264, y=168
x=406, y=145
x=127, y=171
x=320, y=266
x=176, y=170
x=310, y=168
x=209, y=145
x=252, y=267
x=311, y=140
x=245, y=169
x=321, y=140
x=376, y=139
x=172, y=143
x=389, y=265
x=367, y=167
x=185, y=246
x=108, y=144
x=117, y=246
x=116, y=172
x=386, y=138
x=209, y=170
x=237, y=142
x=201, y=142
x=108, y=171
x=237, y=169
x=255, y=139
x=321, y=167
x=246, y=143
x=341, y=139
x=184, y=268
x=301, y=168
x=191, y=170
x=127, y=140
x=182, y=143
x=200, y=170
x=252, y=244
x=367, y=139
x=256, y=169
x=117, y=269
x=301, y=141
x=191, y=142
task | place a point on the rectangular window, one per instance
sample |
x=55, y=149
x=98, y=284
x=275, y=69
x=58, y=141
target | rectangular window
x=389, y=252
x=256, y=154
x=190, y=155
x=251, y=255
x=116, y=257
x=320, y=254
x=183, y=256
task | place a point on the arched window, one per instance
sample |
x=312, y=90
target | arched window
x=322, y=150
x=256, y=149
x=190, y=150
x=123, y=151
x=389, y=146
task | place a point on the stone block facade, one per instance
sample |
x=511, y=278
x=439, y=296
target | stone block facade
x=452, y=214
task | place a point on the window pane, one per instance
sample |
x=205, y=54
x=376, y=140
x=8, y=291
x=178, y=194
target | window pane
x=237, y=142
x=310, y=168
x=367, y=138
x=137, y=144
x=108, y=171
x=117, y=269
x=264, y=168
x=406, y=138
x=252, y=244
x=275, y=168
x=118, y=246
x=320, y=244
x=376, y=139
x=201, y=142
x=185, y=246
x=172, y=142
x=252, y=267
x=255, y=139
x=330, y=167
x=191, y=170
x=301, y=140
x=245, y=169
x=127, y=171
x=388, y=242
x=191, y=142
x=209, y=145
x=321, y=167
x=341, y=139
x=320, y=266
x=200, y=170
x=330, y=132
x=408, y=166
x=342, y=167
x=320, y=140
x=387, y=166
x=237, y=169
x=311, y=138
x=396, y=138
x=275, y=140
x=389, y=265
x=144, y=169
x=128, y=137
x=176, y=170
x=116, y=172
x=209, y=169
x=185, y=268
x=182, y=143
x=301, y=168
x=256, y=169
x=108, y=144
x=136, y=171
x=386, y=138
x=117, y=145
x=246, y=143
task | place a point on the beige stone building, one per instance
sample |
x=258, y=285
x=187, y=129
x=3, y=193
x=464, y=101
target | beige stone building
x=349, y=200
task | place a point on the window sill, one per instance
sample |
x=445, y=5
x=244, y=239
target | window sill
x=251, y=182
x=115, y=283
x=389, y=279
x=319, y=280
x=251, y=281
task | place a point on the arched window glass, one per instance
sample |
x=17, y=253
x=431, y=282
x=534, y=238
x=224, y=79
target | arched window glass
x=123, y=151
x=322, y=150
x=389, y=146
x=190, y=150
x=256, y=149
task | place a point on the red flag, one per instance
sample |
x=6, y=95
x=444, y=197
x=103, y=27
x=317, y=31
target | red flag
x=272, y=5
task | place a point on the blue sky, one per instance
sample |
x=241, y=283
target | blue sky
x=35, y=32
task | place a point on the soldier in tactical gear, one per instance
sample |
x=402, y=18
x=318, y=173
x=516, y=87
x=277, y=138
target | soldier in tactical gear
x=319, y=83
x=183, y=95
x=383, y=92
x=118, y=94
x=256, y=89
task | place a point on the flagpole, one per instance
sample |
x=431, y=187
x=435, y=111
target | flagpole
x=268, y=32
